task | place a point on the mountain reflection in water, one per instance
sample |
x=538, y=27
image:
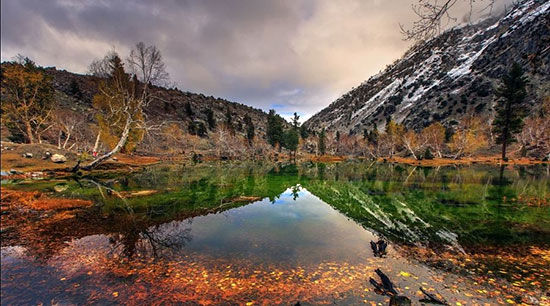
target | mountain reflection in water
x=313, y=225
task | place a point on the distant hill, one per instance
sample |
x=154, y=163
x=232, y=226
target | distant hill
x=76, y=91
x=450, y=75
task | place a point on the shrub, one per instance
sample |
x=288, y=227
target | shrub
x=428, y=154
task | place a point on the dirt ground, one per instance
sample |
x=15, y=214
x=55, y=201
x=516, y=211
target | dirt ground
x=12, y=158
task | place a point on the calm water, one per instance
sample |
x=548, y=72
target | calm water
x=257, y=233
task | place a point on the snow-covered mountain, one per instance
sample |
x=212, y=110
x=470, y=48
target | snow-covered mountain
x=450, y=75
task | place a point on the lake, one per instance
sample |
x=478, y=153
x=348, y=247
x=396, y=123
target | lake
x=261, y=233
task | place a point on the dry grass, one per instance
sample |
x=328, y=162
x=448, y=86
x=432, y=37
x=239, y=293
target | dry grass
x=487, y=160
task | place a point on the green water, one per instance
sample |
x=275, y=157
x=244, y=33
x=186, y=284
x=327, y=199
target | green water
x=287, y=216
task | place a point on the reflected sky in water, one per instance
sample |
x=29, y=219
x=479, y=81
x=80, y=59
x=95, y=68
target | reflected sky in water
x=307, y=239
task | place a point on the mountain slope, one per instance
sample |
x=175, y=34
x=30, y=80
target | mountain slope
x=167, y=104
x=450, y=75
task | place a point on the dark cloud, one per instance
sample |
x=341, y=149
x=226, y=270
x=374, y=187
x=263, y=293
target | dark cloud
x=295, y=55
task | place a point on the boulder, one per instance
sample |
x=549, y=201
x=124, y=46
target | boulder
x=60, y=187
x=37, y=174
x=58, y=158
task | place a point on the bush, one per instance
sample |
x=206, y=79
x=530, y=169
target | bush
x=428, y=154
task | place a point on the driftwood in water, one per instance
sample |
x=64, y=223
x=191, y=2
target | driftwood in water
x=379, y=248
x=76, y=167
x=430, y=298
x=400, y=300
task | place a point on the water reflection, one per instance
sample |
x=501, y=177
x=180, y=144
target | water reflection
x=451, y=207
x=265, y=218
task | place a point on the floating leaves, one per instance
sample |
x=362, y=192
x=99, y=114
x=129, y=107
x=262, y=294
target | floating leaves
x=405, y=274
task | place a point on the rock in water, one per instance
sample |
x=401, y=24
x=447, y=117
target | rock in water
x=399, y=300
x=60, y=187
x=58, y=158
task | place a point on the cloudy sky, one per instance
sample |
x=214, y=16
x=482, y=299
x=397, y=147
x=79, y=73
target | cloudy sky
x=291, y=55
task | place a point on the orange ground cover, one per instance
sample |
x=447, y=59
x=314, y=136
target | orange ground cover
x=38, y=201
x=489, y=160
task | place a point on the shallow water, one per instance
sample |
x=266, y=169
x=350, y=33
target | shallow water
x=197, y=236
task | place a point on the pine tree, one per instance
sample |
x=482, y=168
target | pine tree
x=295, y=121
x=304, y=133
x=274, y=128
x=509, y=111
x=188, y=110
x=292, y=140
x=250, y=130
x=210, y=119
x=322, y=145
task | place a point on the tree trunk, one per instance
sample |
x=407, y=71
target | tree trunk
x=28, y=127
x=506, y=132
x=67, y=140
x=412, y=152
x=116, y=149
x=96, y=145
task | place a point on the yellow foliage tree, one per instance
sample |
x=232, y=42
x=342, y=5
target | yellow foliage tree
x=116, y=103
x=434, y=137
x=470, y=136
x=27, y=99
x=394, y=136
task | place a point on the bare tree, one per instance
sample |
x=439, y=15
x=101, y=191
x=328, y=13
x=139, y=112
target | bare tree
x=435, y=15
x=147, y=64
x=101, y=67
x=67, y=122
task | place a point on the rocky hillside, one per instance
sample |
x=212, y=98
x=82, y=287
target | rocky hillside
x=76, y=92
x=450, y=75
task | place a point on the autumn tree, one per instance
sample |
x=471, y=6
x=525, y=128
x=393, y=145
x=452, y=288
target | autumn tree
x=470, y=136
x=433, y=136
x=27, y=99
x=509, y=110
x=122, y=97
x=393, y=137
x=119, y=109
x=535, y=135
x=412, y=142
